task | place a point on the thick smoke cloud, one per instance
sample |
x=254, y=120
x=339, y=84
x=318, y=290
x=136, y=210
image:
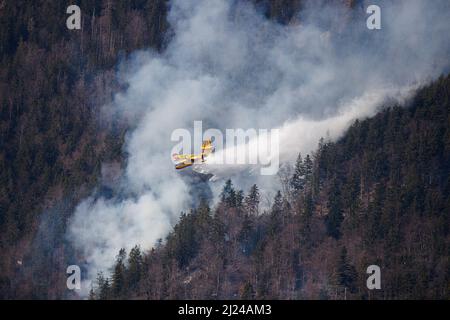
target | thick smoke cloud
x=229, y=66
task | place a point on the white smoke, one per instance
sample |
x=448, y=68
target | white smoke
x=230, y=67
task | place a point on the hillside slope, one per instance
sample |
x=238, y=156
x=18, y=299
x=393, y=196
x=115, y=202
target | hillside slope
x=380, y=195
x=53, y=137
x=55, y=142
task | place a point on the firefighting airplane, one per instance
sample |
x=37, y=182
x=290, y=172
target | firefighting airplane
x=187, y=160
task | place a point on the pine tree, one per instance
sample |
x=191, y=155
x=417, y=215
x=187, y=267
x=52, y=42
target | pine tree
x=298, y=178
x=277, y=207
x=305, y=219
x=118, y=277
x=92, y=295
x=134, y=271
x=183, y=241
x=239, y=198
x=103, y=287
x=228, y=195
x=335, y=215
x=203, y=216
x=346, y=272
x=308, y=169
x=245, y=234
x=252, y=201
x=276, y=214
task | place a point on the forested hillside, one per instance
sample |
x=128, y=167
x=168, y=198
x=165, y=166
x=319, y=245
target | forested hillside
x=380, y=195
x=53, y=136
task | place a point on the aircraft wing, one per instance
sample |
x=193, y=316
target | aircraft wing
x=183, y=157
